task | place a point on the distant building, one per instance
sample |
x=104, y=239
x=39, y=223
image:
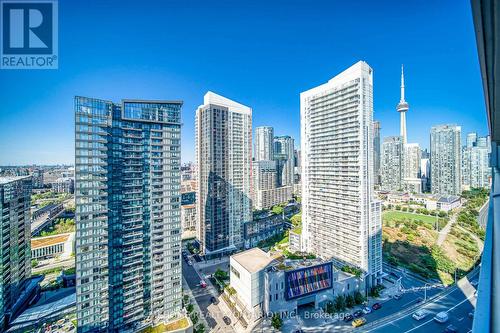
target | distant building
x=297, y=167
x=284, y=156
x=223, y=159
x=61, y=246
x=425, y=173
x=188, y=217
x=188, y=192
x=64, y=185
x=37, y=176
x=188, y=171
x=411, y=168
x=392, y=164
x=476, y=171
x=262, y=227
x=15, y=256
x=446, y=160
x=266, y=192
x=341, y=217
x=264, y=146
x=376, y=151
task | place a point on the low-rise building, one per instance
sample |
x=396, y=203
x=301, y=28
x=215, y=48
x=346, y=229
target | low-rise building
x=188, y=217
x=295, y=239
x=448, y=202
x=266, y=284
x=261, y=228
x=64, y=185
x=265, y=199
x=53, y=246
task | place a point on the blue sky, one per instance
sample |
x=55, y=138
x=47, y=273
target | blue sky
x=259, y=53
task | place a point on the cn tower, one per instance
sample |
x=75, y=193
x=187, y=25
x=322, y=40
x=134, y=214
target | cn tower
x=403, y=107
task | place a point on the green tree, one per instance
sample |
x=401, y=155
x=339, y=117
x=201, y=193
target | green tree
x=276, y=321
x=340, y=303
x=358, y=298
x=200, y=328
x=349, y=301
x=34, y=263
x=194, y=318
x=330, y=308
x=277, y=210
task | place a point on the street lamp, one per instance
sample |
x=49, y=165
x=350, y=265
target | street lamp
x=425, y=291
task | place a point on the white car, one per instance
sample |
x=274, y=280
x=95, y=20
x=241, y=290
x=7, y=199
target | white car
x=419, y=315
x=367, y=310
x=441, y=317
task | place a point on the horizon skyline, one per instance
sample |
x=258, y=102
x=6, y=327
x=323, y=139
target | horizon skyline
x=268, y=65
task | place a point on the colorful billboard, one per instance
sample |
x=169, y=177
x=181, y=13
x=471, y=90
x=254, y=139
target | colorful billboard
x=308, y=280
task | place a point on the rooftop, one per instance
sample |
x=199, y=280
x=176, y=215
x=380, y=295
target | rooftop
x=449, y=198
x=8, y=179
x=39, y=242
x=253, y=260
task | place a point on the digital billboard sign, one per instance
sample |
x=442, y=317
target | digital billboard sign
x=308, y=280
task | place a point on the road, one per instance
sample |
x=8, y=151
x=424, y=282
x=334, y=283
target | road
x=211, y=312
x=458, y=301
x=68, y=263
x=483, y=215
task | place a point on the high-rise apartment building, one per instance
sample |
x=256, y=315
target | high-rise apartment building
x=15, y=246
x=341, y=218
x=264, y=136
x=128, y=229
x=411, y=168
x=476, y=171
x=376, y=151
x=392, y=164
x=284, y=154
x=446, y=160
x=223, y=160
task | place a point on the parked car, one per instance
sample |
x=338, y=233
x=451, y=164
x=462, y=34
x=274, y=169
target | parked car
x=348, y=317
x=357, y=313
x=450, y=329
x=367, y=310
x=441, y=317
x=376, y=306
x=471, y=314
x=359, y=322
x=397, y=296
x=203, y=284
x=214, y=300
x=420, y=314
x=419, y=300
x=226, y=320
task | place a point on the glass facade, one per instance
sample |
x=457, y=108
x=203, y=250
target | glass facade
x=15, y=236
x=127, y=213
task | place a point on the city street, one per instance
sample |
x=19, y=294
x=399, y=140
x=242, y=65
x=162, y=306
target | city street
x=211, y=312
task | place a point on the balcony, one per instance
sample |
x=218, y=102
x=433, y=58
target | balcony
x=486, y=16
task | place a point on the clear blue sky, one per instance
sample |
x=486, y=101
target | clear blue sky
x=259, y=53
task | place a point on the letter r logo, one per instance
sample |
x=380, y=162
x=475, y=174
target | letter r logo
x=27, y=27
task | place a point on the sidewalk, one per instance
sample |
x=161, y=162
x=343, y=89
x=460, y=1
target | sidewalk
x=196, y=308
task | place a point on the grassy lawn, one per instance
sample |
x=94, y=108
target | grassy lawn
x=409, y=241
x=395, y=215
x=391, y=218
